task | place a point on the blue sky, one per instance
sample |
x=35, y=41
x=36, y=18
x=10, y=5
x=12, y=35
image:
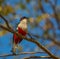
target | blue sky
x=6, y=40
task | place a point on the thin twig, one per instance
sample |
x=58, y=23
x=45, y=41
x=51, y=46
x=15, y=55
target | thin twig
x=31, y=40
x=21, y=53
x=55, y=14
x=40, y=6
x=49, y=37
x=5, y=21
x=28, y=33
x=37, y=57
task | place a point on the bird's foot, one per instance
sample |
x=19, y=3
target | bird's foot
x=13, y=52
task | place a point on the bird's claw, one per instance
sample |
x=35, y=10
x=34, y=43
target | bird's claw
x=13, y=52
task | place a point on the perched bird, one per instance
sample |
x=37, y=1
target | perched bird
x=21, y=29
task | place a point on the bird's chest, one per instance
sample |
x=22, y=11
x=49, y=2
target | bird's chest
x=21, y=31
x=23, y=26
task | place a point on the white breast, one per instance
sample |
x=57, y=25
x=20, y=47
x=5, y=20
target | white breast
x=23, y=24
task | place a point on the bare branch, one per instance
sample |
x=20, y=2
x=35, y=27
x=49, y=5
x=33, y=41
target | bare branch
x=23, y=37
x=5, y=21
x=21, y=53
x=40, y=6
x=28, y=33
x=37, y=57
x=55, y=14
x=49, y=37
x=54, y=40
x=31, y=40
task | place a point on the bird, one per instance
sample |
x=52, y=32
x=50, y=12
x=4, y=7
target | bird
x=21, y=29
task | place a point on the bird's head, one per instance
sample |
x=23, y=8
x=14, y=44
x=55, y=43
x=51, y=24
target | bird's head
x=24, y=19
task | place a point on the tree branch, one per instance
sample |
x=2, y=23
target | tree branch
x=28, y=39
x=55, y=14
x=37, y=57
x=21, y=53
x=5, y=21
x=40, y=6
x=48, y=36
x=31, y=40
x=28, y=33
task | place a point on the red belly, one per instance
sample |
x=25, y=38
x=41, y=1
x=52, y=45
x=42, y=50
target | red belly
x=16, y=39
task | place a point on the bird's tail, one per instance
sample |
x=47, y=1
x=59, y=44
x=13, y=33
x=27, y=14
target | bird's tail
x=15, y=47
